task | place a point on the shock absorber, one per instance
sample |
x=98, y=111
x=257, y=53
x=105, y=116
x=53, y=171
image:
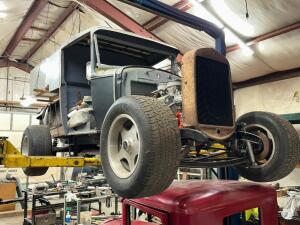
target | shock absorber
x=179, y=119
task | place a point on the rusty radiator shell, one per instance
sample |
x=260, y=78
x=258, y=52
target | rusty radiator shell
x=189, y=93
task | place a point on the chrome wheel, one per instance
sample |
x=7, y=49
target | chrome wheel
x=123, y=145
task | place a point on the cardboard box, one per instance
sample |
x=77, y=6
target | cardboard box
x=7, y=191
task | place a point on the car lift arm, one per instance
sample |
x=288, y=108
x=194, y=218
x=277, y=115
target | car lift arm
x=10, y=157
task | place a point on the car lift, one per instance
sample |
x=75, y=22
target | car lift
x=11, y=157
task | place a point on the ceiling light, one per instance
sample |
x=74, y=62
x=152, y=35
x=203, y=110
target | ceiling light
x=2, y=6
x=28, y=101
x=231, y=18
x=2, y=15
x=203, y=13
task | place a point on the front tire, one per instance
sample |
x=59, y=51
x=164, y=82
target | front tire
x=36, y=141
x=281, y=147
x=140, y=146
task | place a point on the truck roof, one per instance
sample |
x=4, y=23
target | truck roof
x=99, y=28
x=193, y=197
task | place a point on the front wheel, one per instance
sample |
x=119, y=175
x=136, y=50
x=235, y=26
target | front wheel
x=140, y=146
x=280, y=152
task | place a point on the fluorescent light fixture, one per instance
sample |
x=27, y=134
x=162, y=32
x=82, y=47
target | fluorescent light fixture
x=238, y=24
x=2, y=15
x=28, y=101
x=203, y=13
x=2, y=6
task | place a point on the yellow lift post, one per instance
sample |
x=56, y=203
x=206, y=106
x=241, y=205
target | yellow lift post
x=10, y=157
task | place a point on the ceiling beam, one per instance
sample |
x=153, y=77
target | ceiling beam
x=158, y=21
x=21, y=66
x=271, y=77
x=61, y=19
x=31, y=15
x=118, y=17
x=267, y=36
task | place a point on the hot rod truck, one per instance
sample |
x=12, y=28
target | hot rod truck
x=148, y=121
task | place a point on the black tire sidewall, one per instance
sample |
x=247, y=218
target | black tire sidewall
x=126, y=186
x=40, y=144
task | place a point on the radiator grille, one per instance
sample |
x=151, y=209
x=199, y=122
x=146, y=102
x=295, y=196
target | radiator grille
x=214, y=103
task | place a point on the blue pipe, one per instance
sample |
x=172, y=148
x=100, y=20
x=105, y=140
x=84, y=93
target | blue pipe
x=184, y=18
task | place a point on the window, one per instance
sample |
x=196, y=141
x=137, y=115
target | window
x=247, y=217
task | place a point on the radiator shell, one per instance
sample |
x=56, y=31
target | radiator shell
x=208, y=106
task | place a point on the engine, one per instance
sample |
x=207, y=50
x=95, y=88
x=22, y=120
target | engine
x=170, y=94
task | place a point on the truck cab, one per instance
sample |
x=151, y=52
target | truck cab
x=203, y=203
x=90, y=70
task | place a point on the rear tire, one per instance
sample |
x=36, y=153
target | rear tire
x=36, y=141
x=146, y=129
x=283, y=152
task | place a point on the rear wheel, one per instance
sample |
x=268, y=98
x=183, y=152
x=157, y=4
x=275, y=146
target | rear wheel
x=280, y=152
x=140, y=146
x=36, y=141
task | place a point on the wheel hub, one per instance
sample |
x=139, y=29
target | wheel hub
x=268, y=142
x=126, y=145
x=266, y=145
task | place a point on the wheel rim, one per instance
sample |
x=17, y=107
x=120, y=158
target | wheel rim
x=25, y=146
x=269, y=146
x=123, y=145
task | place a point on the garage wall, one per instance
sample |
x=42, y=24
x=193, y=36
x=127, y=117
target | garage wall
x=12, y=126
x=280, y=97
x=14, y=84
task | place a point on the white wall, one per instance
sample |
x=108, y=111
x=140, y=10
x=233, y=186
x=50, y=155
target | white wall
x=16, y=85
x=280, y=97
x=12, y=125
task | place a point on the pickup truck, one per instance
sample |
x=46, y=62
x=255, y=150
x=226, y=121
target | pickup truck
x=126, y=97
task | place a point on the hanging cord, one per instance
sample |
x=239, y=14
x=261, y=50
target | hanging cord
x=92, y=11
x=247, y=12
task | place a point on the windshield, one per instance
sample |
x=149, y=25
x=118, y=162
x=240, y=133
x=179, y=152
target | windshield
x=121, y=49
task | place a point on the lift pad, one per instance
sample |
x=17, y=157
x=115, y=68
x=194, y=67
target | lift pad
x=11, y=157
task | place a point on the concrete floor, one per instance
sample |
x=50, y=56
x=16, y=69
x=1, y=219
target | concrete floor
x=16, y=220
x=11, y=218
